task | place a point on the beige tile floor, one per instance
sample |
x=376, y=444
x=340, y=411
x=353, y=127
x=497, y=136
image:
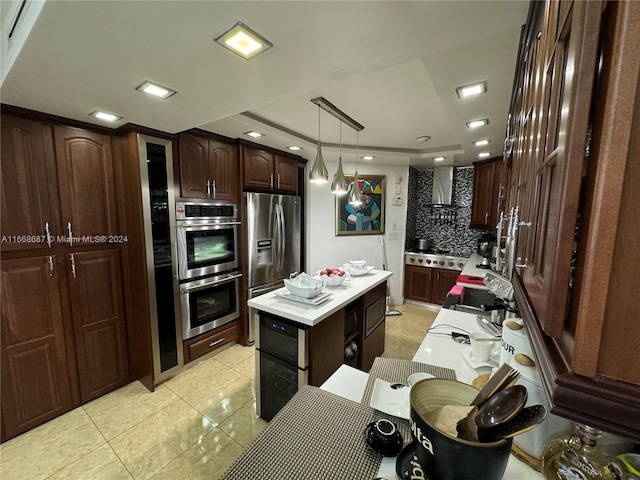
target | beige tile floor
x=192, y=427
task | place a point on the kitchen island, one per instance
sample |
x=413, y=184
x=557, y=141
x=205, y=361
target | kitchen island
x=299, y=344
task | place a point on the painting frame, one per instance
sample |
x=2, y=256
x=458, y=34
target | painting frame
x=368, y=219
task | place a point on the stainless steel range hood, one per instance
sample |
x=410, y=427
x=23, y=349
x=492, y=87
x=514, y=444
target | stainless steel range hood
x=442, y=196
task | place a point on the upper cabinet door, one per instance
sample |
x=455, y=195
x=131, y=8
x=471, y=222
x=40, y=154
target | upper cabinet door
x=223, y=171
x=85, y=175
x=194, y=159
x=482, y=206
x=29, y=193
x=286, y=174
x=258, y=169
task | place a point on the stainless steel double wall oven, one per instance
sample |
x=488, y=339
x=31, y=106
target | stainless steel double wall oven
x=207, y=236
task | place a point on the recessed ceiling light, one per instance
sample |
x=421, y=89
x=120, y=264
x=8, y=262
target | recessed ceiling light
x=254, y=134
x=477, y=123
x=484, y=155
x=295, y=148
x=368, y=157
x=243, y=41
x=471, y=90
x=107, y=117
x=423, y=138
x=438, y=159
x=481, y=143
x=156, y=90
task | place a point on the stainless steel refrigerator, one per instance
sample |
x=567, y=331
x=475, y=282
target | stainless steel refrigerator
x=273, y=224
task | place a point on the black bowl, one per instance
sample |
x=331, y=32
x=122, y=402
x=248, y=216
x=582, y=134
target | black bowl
x=442, y=456
x=383, y=437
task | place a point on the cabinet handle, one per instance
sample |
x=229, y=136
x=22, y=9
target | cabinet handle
x=213, y=344
x=486, y=218
x=48, y=232
x=51, y=266
x=524, y=224
x=278, y=180
x=73, y=265
x=213, y=184
x=271, y=180
x=70, y=233
x=208, y=188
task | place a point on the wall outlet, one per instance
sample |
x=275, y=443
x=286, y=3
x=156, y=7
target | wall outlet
x=397, y=200
x=393, y=236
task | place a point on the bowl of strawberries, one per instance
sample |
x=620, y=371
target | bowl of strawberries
x=332, y=277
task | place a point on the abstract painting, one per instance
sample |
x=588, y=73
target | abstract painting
x=366, y=218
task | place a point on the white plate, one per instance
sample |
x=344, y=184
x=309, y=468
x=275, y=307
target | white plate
x=389, y=400
x=416, y=377
x=317, y=300
x=355, y=272
x=467, y=354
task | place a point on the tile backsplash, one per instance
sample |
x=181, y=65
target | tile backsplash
x=455, y=235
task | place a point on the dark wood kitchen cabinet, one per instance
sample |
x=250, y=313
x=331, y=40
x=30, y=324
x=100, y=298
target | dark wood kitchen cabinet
x=268, y=171
x=575, y=175
x=85, y=176
x=63, y=330
x=442, y=281
x=371, y=309
x=29, y=185
x=208, y=168
x=97, y=308
x=426, y=284
x=487, y=193
x=38, y=355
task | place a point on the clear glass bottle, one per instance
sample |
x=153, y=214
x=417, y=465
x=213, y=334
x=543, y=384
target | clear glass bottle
x=576, y=457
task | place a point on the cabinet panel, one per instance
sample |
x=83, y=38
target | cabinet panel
x=29, y=183
x=85, y=174
x=223, y=171
x=194, y=153
x=98, y=316
x=258, y=169
x=326, y=348
x=35, y=381
x=442, y=280
x=417, y=283
x=286, y=174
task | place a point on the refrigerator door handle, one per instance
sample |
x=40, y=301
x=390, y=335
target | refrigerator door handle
x=276, y=238
x=283, y=225
x=280, y=263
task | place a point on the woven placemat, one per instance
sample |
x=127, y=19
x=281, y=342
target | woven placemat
x=394, y=370
x=317, y=435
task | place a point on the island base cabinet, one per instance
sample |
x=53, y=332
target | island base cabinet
x=326, y=348
x=373, y=346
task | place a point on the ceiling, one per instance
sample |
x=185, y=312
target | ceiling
x=392, y=66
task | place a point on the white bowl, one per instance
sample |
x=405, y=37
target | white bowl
x=358, y=262
x=333, y=281
x=304, y=286
x=356, y=272
x=416, y=377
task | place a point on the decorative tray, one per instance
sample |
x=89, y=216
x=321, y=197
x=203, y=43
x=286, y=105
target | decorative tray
x=315, y=301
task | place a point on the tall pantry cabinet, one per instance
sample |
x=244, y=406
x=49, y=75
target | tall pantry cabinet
x=63, y=310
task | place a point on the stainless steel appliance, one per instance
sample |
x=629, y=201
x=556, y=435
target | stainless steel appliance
x=207, y=235
x=434, y=260
x=273, y=245
x=282, y=358
x=209, y=303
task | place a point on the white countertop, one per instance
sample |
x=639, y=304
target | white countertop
x=435, y=350
x=312, y=315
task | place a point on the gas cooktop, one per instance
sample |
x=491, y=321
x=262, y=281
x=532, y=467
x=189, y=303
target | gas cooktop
x=435, y=260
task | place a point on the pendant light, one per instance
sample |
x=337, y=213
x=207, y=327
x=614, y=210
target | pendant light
x=355, y=195
x=319, y=172
x=339, y=184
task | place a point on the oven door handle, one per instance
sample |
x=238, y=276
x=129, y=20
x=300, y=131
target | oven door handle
x=196, y=225
x=209, y=284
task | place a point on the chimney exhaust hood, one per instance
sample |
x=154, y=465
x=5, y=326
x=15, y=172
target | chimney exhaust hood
x=442, y=196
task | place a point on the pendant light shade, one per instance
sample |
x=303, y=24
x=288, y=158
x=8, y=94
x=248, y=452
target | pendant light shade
x=319, y=172
x=339, y=184
x=355, y=195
